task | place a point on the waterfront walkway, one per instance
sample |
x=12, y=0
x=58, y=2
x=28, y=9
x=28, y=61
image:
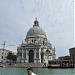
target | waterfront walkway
x=19, y=65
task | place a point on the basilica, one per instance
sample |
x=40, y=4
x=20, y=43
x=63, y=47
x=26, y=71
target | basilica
x=35, y=48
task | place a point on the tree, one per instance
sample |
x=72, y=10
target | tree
x=14, y=58
x=10, y=57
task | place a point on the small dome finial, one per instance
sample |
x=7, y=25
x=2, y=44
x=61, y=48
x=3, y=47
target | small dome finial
x=54, y=47
x=36, y=23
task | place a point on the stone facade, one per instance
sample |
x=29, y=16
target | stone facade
x=4, y=54
x=35, y=48
x=72, y=54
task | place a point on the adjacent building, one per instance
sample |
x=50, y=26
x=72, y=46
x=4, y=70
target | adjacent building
x=35, y=48
x=72, y=54
x=4, y=54
x=64, y=58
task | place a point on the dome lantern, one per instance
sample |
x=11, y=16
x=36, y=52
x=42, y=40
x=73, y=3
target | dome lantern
x=36, y=23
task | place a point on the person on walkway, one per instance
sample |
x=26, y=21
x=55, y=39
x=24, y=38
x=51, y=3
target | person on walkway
x=30, y=71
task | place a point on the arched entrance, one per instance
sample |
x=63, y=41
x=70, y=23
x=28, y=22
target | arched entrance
x=31, y=56
x=42, y=57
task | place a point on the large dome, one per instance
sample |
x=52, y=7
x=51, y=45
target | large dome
x=36, y=30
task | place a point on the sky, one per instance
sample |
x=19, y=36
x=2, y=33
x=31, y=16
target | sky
x=56, y=18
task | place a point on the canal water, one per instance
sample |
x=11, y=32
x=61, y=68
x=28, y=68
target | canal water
x=38, y=71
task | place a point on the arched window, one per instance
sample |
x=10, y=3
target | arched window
x=24, y=54
x=35, y=41
x=32, y=41
x=43, y=42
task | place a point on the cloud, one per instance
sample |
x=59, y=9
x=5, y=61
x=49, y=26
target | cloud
x=56, y=17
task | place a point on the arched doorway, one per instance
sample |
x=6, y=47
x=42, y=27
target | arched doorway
x=42, y=57
x=31, y=56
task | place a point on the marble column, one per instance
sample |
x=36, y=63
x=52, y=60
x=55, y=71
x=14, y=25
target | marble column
x=35, y=55
x=40, y=55
x=22, y=55
x=26, y=56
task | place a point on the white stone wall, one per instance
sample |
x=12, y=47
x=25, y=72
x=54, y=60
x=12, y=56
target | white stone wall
x=3, y=53
x=38, y=41
x=0, y=55
x=40, y=55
